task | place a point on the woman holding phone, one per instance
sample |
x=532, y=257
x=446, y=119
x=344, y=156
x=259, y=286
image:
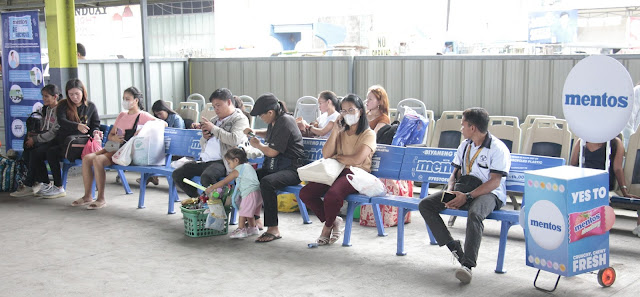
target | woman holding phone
x=351, y=143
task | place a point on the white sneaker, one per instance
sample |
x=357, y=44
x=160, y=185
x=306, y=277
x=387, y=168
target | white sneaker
x=239, y=233
x=253, y=231
x=54, y=192
x=463, y=274
x=43, y=189
x=23, y=191
x=36, y=187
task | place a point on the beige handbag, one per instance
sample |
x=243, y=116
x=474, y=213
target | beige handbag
x=323, y=171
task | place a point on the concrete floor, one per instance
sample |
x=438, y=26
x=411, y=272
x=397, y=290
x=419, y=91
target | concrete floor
x=52, y=249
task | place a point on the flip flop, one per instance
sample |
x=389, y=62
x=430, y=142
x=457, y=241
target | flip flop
x=96, y=205
x=80, y=202
x=267, y=235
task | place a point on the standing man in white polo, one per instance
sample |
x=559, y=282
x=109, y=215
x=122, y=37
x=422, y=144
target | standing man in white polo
x=481, y=165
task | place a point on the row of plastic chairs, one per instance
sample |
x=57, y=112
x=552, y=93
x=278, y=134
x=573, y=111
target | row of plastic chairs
x=190, y=110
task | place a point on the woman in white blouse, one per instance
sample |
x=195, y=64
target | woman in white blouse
x=321, y=127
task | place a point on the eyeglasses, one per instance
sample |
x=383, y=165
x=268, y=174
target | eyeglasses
x=350, y=111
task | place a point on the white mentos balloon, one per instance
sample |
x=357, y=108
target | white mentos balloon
x=597, y=98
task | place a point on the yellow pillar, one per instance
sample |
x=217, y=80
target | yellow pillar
x=61, y=38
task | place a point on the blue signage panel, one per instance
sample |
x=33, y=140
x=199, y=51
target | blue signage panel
x=174, y=140
x=426, y=164
x=312, y=149
x=22, y=76
x=387, y=161
x=521, y=163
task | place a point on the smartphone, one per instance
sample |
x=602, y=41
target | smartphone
x=251, y=135
x=447, y=196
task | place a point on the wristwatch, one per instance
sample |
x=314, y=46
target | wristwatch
x=469, y=198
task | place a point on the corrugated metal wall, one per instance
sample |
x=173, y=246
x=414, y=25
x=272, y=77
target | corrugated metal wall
x=288, y=78
x=504, y=85
x=107, y=79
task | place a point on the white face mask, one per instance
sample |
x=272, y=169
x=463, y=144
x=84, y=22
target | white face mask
x=351, y=119
x=126, y=105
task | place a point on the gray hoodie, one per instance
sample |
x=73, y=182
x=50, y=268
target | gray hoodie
x=49, y=124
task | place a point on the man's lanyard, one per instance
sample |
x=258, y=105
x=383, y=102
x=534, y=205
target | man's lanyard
x=469, y=163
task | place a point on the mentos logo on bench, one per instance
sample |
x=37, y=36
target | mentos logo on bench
x=595, y=98
x=432, y=165
x=312, y=149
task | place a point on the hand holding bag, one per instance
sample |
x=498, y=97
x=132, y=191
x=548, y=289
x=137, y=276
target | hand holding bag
x=92, y=146
x=323, y=171
x=123, y=155
x=366, y=183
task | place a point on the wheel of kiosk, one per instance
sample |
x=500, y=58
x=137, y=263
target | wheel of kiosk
x=606, y=276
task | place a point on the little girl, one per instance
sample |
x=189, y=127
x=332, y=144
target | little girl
x=248, y=186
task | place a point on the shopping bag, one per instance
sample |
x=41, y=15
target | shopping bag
x=287, y=203
x=389, y=213
x=365, y=183
x=123, y=155
x=411, y=130
x=92, y=146
x=323, y=171
x=148, y=147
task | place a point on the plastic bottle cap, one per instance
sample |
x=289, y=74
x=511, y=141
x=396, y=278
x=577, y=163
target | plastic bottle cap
x=216, y=194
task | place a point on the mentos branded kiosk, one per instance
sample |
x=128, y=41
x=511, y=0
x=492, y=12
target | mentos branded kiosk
x=567, y=211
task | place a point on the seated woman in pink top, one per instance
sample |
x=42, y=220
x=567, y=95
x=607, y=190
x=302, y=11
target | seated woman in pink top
x=126, y=125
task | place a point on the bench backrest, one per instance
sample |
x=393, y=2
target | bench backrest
x=182, y=142
x=433, y=165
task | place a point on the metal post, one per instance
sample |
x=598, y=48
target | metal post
x=145, y=54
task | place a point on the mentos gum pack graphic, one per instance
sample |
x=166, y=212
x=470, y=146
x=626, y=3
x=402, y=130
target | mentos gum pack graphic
x=591, y=222
x=567, y=219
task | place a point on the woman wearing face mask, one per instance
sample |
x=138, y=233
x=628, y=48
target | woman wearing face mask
x=377, y=107
x=125, y=127
x=351, y=143
x=37, y=146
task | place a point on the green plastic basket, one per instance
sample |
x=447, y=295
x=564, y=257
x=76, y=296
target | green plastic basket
x=194, y=222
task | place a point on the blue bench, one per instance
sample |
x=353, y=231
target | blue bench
x=426, y=165
x=178, y=142
x=387, y=157
x=67, y=165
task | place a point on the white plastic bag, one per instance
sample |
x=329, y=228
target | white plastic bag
x=366, y=183
x=323, y=171
x=217, y=216
x=180, y=162
x=123, y=155
x=148, y=147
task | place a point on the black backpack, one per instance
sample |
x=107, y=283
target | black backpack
x=386, y=133
x=34, y=122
